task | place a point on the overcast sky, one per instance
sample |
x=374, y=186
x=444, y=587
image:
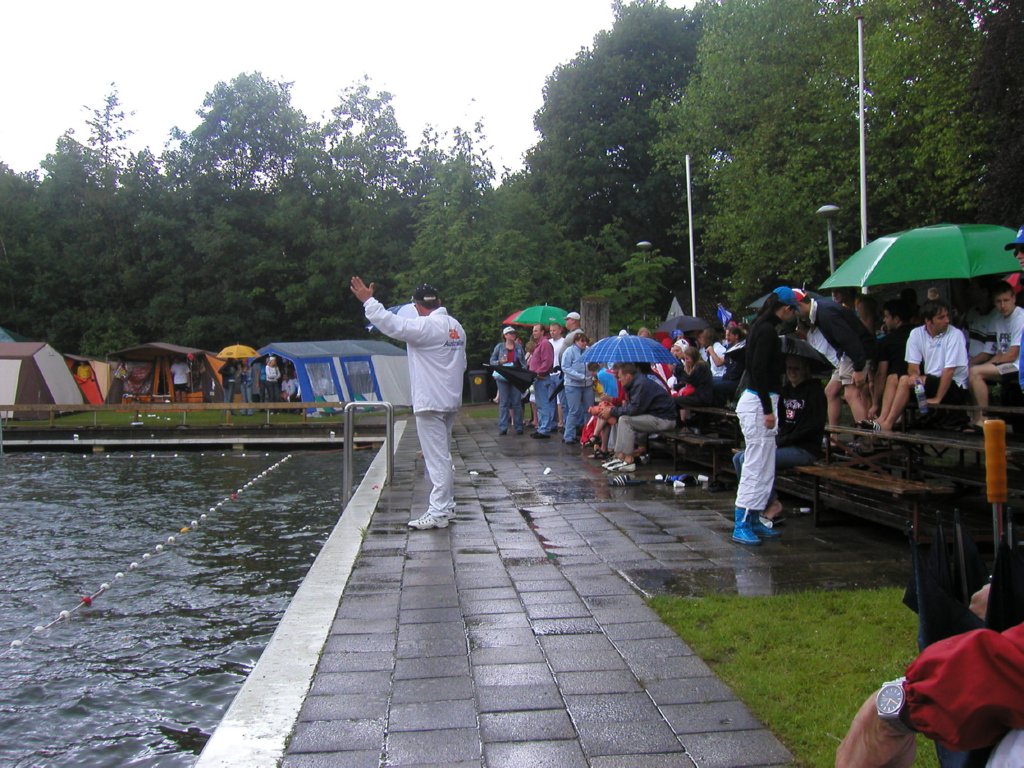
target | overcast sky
x=446, y=62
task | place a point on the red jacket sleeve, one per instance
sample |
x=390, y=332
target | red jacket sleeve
x=967, y=691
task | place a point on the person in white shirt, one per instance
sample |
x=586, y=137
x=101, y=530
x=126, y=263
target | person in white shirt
x=1003, y=356
x=937, y=357
x=436, y=345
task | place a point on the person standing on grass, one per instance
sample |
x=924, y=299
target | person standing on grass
x=437, y=364
x=757, y=411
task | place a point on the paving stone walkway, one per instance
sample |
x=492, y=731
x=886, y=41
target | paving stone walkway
x=519, y=636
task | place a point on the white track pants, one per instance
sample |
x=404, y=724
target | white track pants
x=435, y=432
x=758, y=476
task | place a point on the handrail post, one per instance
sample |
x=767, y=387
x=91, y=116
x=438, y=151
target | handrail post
x=348, y=452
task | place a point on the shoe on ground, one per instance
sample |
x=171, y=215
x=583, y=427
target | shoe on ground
x=427, y=521
x=612, y=463
x=540, y=436
x=519, y=431
x=502, y=431
x=624, y=467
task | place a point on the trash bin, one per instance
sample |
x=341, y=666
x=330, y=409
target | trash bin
x=477, y=386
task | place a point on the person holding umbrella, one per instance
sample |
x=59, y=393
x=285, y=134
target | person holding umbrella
x=756, y=410
x=508, y=352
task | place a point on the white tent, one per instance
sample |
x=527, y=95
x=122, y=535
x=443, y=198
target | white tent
x=33, y=372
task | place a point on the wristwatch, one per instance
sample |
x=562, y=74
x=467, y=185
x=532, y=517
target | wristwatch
x=890, y=703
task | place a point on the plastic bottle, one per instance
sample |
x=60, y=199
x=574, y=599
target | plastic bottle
x=922, y=399
x=673, y=479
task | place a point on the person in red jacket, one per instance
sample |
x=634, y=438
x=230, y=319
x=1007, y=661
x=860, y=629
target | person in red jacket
x=965, y=692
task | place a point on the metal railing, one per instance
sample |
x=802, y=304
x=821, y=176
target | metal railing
x=349, y=434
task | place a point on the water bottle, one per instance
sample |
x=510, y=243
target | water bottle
x=922, y=399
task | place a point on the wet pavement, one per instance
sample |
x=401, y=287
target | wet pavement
x=520, y=635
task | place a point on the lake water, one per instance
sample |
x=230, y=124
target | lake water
x=143, y=675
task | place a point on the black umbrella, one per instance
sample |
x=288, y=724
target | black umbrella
x=520, y=378
x=683, y=323
x=794, y=345
x=1006, y=595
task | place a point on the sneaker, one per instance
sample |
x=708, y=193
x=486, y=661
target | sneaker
x=428, y=521
x=612, y=464
x=540, y=436
x=624, y=467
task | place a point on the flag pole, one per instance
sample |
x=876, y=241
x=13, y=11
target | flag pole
x=863, y=139
x=689, y=213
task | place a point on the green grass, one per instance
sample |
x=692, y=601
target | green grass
x=803, y=663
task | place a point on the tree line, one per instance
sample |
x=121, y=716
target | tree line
x=246, y=228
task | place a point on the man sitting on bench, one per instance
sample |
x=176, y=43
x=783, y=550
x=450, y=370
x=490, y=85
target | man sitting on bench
x=936, y=357
x=1001, y=359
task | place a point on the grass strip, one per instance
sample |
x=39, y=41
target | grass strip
x=802, y=662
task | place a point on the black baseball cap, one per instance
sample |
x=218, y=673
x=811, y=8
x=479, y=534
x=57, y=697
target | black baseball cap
x=425, y=294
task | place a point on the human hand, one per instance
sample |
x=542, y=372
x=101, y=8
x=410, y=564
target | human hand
x=873, y=412
x=361, y=290
x=873, y=743
x=979, y=602
x=859, y=378
x=769, y=421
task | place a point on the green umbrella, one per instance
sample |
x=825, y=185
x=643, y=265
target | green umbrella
x=543, y=314
x=939, y=252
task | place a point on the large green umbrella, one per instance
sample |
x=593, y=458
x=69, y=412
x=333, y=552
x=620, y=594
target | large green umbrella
x=542, y=313
x=939, y=252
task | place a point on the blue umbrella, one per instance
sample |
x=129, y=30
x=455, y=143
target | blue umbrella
x=628, y=349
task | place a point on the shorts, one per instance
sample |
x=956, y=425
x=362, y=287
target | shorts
x=844, y=371
x=955, y=395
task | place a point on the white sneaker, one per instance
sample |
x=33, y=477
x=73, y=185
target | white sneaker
x=612, y=464
x=624, y=467
x=428, y=521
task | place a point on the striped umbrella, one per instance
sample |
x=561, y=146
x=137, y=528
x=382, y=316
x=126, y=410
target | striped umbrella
x=628, y=349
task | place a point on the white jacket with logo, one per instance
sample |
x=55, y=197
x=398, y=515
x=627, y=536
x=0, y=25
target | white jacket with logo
x=437, y=354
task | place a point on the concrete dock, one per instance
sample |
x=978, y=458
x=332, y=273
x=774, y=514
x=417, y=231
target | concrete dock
x=520, y=634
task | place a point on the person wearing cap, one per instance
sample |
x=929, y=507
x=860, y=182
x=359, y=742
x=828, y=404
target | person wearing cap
x=436, y=345
x=508, y=352
x=853, y=343
x=757, y=411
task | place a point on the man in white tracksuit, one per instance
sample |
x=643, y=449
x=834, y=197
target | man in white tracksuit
x=437, y=363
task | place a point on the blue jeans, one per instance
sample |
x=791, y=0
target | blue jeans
x=509, y=398
x=542, y=389
x=787, y=457
x=577, y=399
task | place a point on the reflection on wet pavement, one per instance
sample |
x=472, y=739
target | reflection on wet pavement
x=662, y=539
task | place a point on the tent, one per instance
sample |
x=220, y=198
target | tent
x=343, y=371
x=34, y=372
x=92, y=376
x=144, y=373
x=8, y=335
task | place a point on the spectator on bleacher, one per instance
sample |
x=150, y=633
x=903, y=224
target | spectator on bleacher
x=892, y=353
x=1002, y=358
x=725, y=387
x=695, y=386
x=802, y=414
x=834, y=386
x=649, y=408
x=712, y=350
x=756, y=410
x=852, y=342
x=978, y=321
x=937, y=356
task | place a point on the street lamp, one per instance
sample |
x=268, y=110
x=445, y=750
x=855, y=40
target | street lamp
x=828, y=211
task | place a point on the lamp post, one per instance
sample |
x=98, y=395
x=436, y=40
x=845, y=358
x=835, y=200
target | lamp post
x=828, y=211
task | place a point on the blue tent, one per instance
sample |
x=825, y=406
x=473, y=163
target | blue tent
x=344, y=371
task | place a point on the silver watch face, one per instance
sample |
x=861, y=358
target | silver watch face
x=890, y=699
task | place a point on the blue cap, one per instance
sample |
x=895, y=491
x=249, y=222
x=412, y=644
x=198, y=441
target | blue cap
x=1019, y=242
x=786, y=296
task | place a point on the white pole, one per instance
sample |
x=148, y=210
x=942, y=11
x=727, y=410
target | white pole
x=863, y=141
x=689, y=213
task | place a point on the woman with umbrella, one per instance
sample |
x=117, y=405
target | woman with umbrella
x=508, y=352
x=756, y=410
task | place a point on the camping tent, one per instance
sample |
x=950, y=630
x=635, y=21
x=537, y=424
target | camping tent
x=34, y=372
x=144, y=372
x=343, y=371
x=92, y=376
